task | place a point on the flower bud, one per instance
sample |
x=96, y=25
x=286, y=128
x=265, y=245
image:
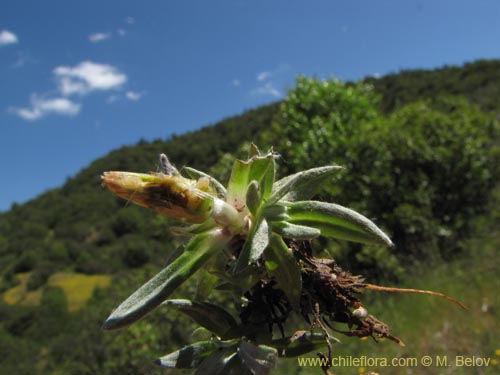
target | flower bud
x=172, y=195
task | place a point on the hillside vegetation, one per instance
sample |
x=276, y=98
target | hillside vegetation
x=421, y=156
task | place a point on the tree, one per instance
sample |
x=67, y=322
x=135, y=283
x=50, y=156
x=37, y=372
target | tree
x=318, y=120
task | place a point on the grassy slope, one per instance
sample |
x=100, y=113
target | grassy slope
x=77, y=287
x=431, y=326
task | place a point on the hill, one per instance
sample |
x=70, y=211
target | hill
x=80, y=230
x=477, y=81
x=78, y=216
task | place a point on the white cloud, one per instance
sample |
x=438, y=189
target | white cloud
x=267, y=89
x=7, y=37
x=99, y=37
x=129, y=95
x=130, y=20
x=81, y=79
x=262, y=76
x=269, y=81
x=88, y=76
x=121, y=32
x=133, y=95
x=236, y=82
x=41, y=107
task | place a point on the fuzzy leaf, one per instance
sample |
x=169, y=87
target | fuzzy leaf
x=253, y=150
x=294, y=231
x=174, y=254
x=198, y=250
x=260, y=240
x=260, y=360
x=302, y=185
x=190, y=356
x=275, y=213
x=211, y=276
x=302, y=342
x=254, y=246
x=337, y=222
x=193, y=229
x=281, y=265
x=258, y=168
x=238, y=182
x=253, y=197
x=223, y=362
x=207, y=315
x=205, y=284
x=263, y=171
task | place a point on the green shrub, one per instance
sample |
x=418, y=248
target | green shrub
x=39, y=276
x=128, y=220
x=136, y=251
x=52, y=314
x=429, y=167
x=318, y=120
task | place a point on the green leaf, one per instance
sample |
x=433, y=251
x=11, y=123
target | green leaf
x=275, y=212
x=254, y=246
x=253, y=197
x=173, y=255
x=223, y=362
x=253, y=150
x=190, y=356
x=219, y=188
x=260, y=240
x=211, y=276
x=207, y=315
x=260, y=360
x=237, y=187
x=193, y=229
x=281, y=265
x=294, y=231
x=302, y=185
x=205, y=284
x=258, y=168
x=336, y=221
x=197, y=252
x=302, y=342
x=263, y=170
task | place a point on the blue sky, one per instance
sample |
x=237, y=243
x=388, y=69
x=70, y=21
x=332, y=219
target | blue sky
x=80, y=78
